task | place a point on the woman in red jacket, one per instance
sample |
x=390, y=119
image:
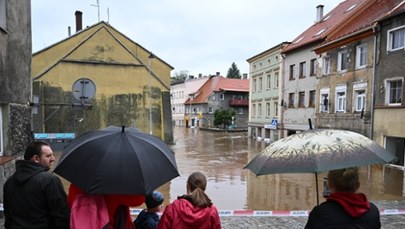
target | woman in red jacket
x=193, y=210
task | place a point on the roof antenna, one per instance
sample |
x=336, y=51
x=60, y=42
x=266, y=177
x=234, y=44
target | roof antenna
x=108, y=15
x=98, y=9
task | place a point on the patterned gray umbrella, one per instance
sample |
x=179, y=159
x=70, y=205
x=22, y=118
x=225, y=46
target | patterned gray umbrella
x=318, y=150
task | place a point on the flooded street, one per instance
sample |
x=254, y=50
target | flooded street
x=221, y=157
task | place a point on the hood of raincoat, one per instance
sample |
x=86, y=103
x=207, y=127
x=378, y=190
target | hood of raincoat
x=355, y=204
x=26, y=169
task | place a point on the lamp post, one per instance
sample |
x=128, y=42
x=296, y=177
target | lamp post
x=151, y=56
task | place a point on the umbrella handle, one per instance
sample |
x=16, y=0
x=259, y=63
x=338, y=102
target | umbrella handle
x=317, y=190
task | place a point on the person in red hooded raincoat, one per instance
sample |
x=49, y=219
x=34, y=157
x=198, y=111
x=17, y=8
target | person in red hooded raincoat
x=193, y=210
x=109, y=211
x=344, y=208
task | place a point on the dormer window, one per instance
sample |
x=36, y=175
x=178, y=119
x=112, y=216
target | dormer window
x=299, y=39
x=351, y=7
x=320, y=32
x=327, y=17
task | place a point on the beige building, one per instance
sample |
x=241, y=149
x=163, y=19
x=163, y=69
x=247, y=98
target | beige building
x=99, y=77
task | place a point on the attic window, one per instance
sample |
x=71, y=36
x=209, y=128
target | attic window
x=351, y=7
x=320, y=32
x=299, y=39
x=327, y=17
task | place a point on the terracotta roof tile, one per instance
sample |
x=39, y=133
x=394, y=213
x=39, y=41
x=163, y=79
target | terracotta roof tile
x=371, y=11
x=319, y=31
x=215, y=84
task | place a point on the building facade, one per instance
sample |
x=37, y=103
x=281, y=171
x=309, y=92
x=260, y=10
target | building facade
x=15, y=84
x=180, y=93
x=389, y=108
x=265, y=93
x=99, y=77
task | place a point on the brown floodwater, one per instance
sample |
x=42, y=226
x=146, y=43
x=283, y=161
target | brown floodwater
x=221, y=157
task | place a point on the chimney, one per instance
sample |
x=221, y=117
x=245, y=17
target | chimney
x=319, y=13
x=199, y=75
x=218, y=73
x=69, y=31
x=78, y=15
x=245, y=76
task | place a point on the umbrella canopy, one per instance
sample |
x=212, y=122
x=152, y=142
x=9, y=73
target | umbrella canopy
x=318, y=150
x=117, y=161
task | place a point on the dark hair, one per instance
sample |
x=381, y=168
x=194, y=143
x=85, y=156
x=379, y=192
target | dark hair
x=34, y=148
x=344, y=180
x=196, y=184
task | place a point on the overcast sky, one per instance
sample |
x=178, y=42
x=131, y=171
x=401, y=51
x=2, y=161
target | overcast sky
x=200, y=36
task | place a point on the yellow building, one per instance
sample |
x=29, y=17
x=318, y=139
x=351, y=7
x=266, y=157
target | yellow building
x=130, y=84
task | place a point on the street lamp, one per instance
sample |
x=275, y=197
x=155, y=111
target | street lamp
x=151, y=56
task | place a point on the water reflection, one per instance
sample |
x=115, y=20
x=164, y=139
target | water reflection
x=222, y=156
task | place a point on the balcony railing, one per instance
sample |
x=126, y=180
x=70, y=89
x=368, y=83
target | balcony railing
x=238, y=102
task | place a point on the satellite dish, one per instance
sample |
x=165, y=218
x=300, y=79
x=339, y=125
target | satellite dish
x=84, y=89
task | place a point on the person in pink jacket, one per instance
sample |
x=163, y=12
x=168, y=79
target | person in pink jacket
x=192, y=210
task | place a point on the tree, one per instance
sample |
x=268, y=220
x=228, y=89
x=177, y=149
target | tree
x=223, y=117
x=180, y=76
x=233, y=72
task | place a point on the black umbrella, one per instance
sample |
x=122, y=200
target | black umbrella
x=117, y=161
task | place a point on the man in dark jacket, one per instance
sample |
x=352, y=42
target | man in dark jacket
x=344, y=208
x=33, y=197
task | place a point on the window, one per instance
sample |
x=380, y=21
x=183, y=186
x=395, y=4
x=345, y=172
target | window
x=312, y=68
x=268, y=111
x=259, y=111
x=254, y=85
x=213, y=97
x=324, y=100
x=311, y=98
x=275, y=105
x=254, y=110
x=360, y=98
x=222, y=97
x=361, y=56
x=268, y=82
x=326, y=65
x=291, y=100
x=260, y=83
x=340, y=99
x=276, y=80
x=3, y=18
x=301, y=99
x=292, y=72
x=303, y=69
x=240, y=110
x=396, y=39
x=342, y=60
x=394, y=91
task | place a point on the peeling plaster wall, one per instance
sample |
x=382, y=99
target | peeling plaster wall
x=15, y=85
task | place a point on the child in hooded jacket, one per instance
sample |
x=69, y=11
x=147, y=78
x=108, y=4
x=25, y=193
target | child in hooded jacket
x=192, y=210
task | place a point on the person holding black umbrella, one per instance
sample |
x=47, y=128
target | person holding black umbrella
x=193, y=210
x=344, y=208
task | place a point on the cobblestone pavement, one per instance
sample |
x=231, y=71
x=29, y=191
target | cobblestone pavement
x=234, y=222
x=248, y=222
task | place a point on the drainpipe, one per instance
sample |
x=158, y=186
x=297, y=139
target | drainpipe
x=282, y=75
x=372, y=85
